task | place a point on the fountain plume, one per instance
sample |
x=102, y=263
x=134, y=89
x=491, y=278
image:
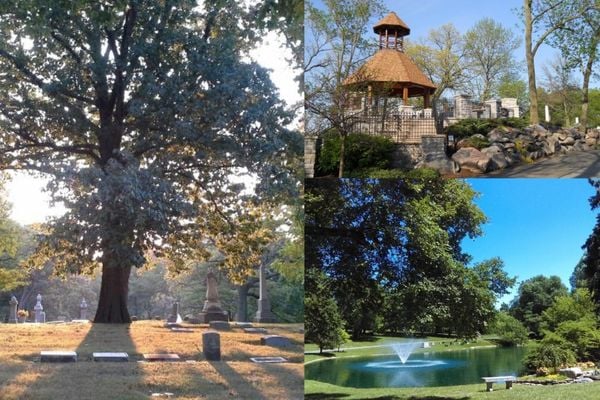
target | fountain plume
x=404, y=350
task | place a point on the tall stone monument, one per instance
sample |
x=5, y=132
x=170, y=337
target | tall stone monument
x=212, y=310
x=12, y=313
x=263, y=314
x=175, y=318
x=83, y=309
x=39, y=310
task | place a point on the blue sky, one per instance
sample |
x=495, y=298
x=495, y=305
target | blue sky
x=423, y=15
x=536, y=226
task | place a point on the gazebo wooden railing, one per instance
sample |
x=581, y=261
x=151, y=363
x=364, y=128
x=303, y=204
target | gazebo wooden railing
x=399, y=126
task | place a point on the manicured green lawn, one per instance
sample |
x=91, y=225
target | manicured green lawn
x=585, y=391
x=320, y=390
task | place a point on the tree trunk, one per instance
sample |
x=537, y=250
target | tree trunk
x=342, y=151
x=533, y=100
x=242, y=303
x=586, y=82
x=112, y=304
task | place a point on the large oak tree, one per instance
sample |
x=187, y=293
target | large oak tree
x=139, y=111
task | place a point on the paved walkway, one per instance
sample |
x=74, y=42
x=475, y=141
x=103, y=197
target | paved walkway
x=577, y=164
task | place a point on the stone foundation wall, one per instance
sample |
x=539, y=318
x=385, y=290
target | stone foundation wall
x=310, y=155
x=407, y=155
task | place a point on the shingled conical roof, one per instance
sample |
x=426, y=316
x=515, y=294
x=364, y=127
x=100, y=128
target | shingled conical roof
x=390, y=66
x=392, y=23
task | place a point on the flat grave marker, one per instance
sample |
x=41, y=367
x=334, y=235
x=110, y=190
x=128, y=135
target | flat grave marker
x=152, y=357
x=58, y=356
x=181, y=330
x=243, y=325
x=220, y=325
x=108, y=356
x=268, y=360
x=275, y=341
x=255, y=330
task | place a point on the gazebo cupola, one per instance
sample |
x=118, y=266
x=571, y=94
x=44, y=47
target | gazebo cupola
x=390, y=73
x=391, y=31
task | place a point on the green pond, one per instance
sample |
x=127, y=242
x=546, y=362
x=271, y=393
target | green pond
x=422, y=369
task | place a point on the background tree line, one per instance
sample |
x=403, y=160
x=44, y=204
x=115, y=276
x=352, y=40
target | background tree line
x=235, y=254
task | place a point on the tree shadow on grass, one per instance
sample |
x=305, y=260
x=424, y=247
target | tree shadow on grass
x=235, y=380
x=290, y=382
x=87, y=379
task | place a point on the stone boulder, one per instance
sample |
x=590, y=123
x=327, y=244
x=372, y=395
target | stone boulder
x=551, y=145
x=498, y=135
x=568, y=141
x=497, y=157
x=592, y=134
x=571, y=372
x=472, y=159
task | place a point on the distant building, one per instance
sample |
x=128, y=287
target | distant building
x=464, y=107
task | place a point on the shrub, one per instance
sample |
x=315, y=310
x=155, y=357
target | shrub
x=472, y=126
x=583, y=336
x=476, y=141
x=361, y=152
x=518, y=123
x=552, y=352
x=511, y=332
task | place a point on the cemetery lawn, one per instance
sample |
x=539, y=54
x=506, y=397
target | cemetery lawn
x=23, y=377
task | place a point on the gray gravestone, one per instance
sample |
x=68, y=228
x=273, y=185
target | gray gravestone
x=58, y=356
x=175, y=318
x=39, y=309
x=244, y=325
x=275, y=341
x=220, y=325
x=211, y=345
x=106, y=356
x=83, y=309
x=12, y=313
x=43, y=315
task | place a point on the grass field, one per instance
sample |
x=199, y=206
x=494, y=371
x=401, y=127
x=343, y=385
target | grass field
x=585, y=391
x=379, y=345
x=23, y=377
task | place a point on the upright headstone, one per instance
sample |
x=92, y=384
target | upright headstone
x=263, y=314
x=12, y=313
x=547, y=113
x=83, y=310
x=212, y=310
x=175, y=318
x=39, y=309
x=211, y=345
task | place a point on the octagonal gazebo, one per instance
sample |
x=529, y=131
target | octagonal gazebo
x=390, y=72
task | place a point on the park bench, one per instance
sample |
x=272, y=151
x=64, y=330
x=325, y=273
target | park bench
x=490, y=380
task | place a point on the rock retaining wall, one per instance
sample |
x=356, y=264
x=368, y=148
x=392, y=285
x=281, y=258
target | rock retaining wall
x=509, y=146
